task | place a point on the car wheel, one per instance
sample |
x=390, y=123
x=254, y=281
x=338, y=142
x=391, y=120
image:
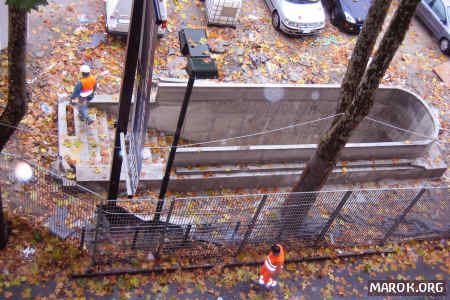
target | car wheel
x=276, y=20
x=445, y=46
x=106, y=28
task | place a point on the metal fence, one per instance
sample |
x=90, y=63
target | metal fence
x=226, y=225
x=47, y=199
x=218, y=226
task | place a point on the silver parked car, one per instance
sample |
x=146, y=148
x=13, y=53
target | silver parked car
x=297, y=17
x=118, y=14
x=435, y=14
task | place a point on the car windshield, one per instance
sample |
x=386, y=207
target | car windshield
x=302, y=1
x=362, y=5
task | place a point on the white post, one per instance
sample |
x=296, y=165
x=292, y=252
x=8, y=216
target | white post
x=3, y=25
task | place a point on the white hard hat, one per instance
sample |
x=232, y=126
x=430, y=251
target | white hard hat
x=85, y=69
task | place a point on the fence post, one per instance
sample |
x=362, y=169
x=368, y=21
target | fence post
x=333, y=216
x=238, y=224
x=99, y=221
x=186, y=235
x=402, y=216
x=163, y=234
x=135, y=237
x=252, y=224
x=83, y=233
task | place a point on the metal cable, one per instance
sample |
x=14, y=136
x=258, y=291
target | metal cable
x=253, y=134
x=398, y=128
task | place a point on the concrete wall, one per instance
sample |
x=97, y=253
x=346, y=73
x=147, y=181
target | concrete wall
x=292, y=153
x=3, y=25
x=229, y=110
x=219, y=111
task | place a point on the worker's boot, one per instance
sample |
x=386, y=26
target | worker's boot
x=272, y=283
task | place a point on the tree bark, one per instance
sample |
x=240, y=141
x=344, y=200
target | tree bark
x=333, y=141
x=361, y=53
x=17, y=95
x=3, y=225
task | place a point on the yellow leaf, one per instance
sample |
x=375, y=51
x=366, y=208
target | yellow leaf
x=291, y=267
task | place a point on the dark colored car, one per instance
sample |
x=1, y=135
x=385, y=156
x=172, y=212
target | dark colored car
x=435, y=14
x=348, y=15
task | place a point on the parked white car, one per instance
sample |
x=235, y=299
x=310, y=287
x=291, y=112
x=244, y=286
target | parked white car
x=118, y=14
x=297, y=17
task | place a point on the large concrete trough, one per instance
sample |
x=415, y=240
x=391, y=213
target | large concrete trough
x=401, y=125
x=397, y=142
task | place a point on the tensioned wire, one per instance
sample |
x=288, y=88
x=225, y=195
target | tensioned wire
x=253, y=134
x=228, y=139
x=205, y=142
x=398, y=128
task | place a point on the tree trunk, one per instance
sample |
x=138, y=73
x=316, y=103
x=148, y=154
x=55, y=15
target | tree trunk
x=17, y=95
x=323, y=161
x=3, y=225
x=361, y=53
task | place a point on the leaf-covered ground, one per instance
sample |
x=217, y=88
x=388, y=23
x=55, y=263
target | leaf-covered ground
x=58, y=35
x=61, y=35
x=37, y=265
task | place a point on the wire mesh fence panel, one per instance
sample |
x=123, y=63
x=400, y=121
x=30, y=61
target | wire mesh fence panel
x=38, y=194
x=297, y=218
x=212, y=226
x=188, y=227
x=124, y=229
x=216, y=226
x=368, y=215
x=429, y=217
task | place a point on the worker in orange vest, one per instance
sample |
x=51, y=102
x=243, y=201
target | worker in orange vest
x=84, y=91
x=272, y=266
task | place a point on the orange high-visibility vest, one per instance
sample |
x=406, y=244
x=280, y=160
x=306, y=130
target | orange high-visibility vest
x=272, y=262
x=87, y=86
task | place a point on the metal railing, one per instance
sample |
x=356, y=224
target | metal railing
x=226, y=225
x=48, y=199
